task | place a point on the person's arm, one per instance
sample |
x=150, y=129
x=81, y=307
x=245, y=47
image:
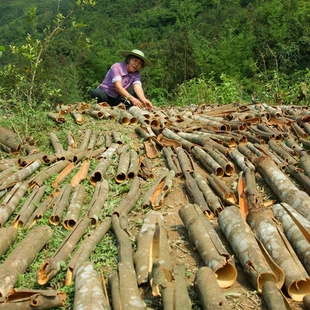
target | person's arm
x=140, y=93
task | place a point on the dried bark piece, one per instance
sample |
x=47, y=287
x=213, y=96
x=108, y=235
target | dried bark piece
x=255, y=260
x=20, y=175
x=297, y=280
x=156, y=194
x=283, y=188
x=203, y=237
x=207, y=161
x=86, y=249
x=58, y=118
x=134, y=164
x=172, y=160
x=8, y=141
x=89, y=293
x=274, y=298
x=29, y=207
x=11, y=200
x=62, y=175
x=23, y=299
x=8, y=236
x=295, y=232
x=60, y=204
x=187, y=145
x=21, y=257
x=214, y=202
x=97, y=202
x=122, y=169
x=209, y=292
x=45, y=174
x=181, y=297
x=52, y=265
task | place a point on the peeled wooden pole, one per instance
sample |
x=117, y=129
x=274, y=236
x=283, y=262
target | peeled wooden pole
x=21, y=257
x=210, y=294
x=297, y=280
x=253, y=257
x=203, y=237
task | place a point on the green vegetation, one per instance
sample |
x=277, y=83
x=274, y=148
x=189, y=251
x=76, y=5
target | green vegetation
x=202, y=51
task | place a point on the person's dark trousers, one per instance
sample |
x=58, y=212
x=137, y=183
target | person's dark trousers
x=101, y=96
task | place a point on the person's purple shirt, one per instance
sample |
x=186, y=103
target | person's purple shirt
x=118, y=72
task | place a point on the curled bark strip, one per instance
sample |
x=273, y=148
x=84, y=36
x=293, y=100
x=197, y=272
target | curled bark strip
x=27, y=160
x=57, y=146
x=150, y=148
x=92, y=140
x=138, y=113
x=28, y=207
x=203, y=237
x=213, y=201
x=116, y=137
x=11, y=200
x=85, y=140
x=181, y=297
x=185, y=160
x=166, y=142
x=283, y=188
x=81, y=174
x=241, y=160
x=128, y=288
x=243, y=199
x=160, y=259
x=274, y=298
x=143, y=258
x=58, y=118
x=228, y=166
x=253, y=257
x=297, y=281
x=265, y=151
x=52, y=265
x=210, y=295
x=250, y=189
x=63, y=174
x=60, y=204
x=97, y=202
x=88, y=289
x=172, y=160
x=221, y=189
x=299, y=131
x=115, y=290
x=282, y=153
x=130, y=199
x=78, y=117
x=298, y=174
x=9, y=141
x=89, y=244
x=7, y=172
x=134, y=164
x=146, y=169
x=71, y=141
x=74, y=207
x=21, y=257
x=23, y=299
x=45, y=174
x=304, y=163
x=156, y=194
x=20, y=175
x=196, y=194
x=211, y=165
x=297, y=235
x=39, y=212
x=187, y=145
x=122, y=168
x=100, y=170
x=244, y=150
x=290, y=142
x=8, y=236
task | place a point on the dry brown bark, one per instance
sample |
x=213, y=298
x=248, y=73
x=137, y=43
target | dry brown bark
x=8, y=236
x=89, y=293
x=209, y=292
x=203, y=237
x=52, y=265
x=23, y=299
x=255, y=260
x=21, y=257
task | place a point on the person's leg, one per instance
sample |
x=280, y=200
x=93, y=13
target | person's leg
x=99, y=94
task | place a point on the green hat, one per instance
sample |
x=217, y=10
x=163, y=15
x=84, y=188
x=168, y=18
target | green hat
x=138, y=54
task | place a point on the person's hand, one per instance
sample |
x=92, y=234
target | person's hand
x=148, y=104
x=136, y=102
